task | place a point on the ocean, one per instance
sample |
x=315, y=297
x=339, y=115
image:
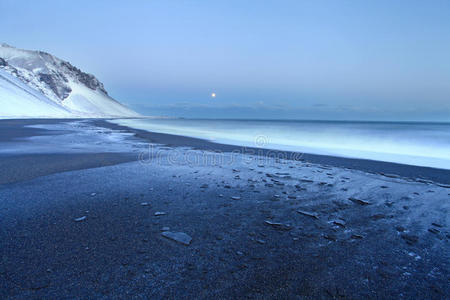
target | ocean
x=420, y=144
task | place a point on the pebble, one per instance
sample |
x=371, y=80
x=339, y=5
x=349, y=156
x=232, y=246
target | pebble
x=236, y=198
x=39, y=283
x=179, y=237
x=433, y=230
x=160, y=213
x=400, y=228
x=306, y=180
x=356, y=236
x=308, y=214
x=447, y=186
x=389, y=175
x=145, y=204
x=330, y=237
x=279, y=226
x=410, y=239
x=358, y=201
x=80, y=219
x=339, y=223
x=377, y=217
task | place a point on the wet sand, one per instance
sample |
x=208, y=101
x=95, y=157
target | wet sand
x=260, y=227
x=24, y=166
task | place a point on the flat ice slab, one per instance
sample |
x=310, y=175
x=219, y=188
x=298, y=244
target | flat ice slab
x=179, y=237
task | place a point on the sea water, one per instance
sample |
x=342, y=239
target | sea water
x=421, y=144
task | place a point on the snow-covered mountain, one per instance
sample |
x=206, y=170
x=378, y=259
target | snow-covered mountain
x=35, y=84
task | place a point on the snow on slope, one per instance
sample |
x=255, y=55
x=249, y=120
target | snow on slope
x=37, y=84
x=19, y=100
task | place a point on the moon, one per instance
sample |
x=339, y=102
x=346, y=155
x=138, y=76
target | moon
x=213, y=95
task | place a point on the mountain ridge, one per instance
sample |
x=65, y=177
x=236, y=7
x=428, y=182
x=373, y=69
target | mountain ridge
x=75, y=93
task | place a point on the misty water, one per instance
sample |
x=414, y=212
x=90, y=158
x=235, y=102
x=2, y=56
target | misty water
x=421, y=144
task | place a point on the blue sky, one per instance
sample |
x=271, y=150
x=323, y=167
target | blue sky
x=369, y=60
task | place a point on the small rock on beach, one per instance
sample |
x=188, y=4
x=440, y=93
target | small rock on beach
x=358, y=201
x=308, y=214
x=179, y=237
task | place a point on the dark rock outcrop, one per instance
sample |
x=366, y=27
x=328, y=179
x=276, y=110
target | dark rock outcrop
x=87, y=79
x=53, y=81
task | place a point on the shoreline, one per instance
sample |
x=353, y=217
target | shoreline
x=13, y=129
x=371, y=166
x=22, y=166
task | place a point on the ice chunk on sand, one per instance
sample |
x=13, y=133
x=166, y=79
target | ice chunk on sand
x=179, y=237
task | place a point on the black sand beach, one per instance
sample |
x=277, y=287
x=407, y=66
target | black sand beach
x=89, y=222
